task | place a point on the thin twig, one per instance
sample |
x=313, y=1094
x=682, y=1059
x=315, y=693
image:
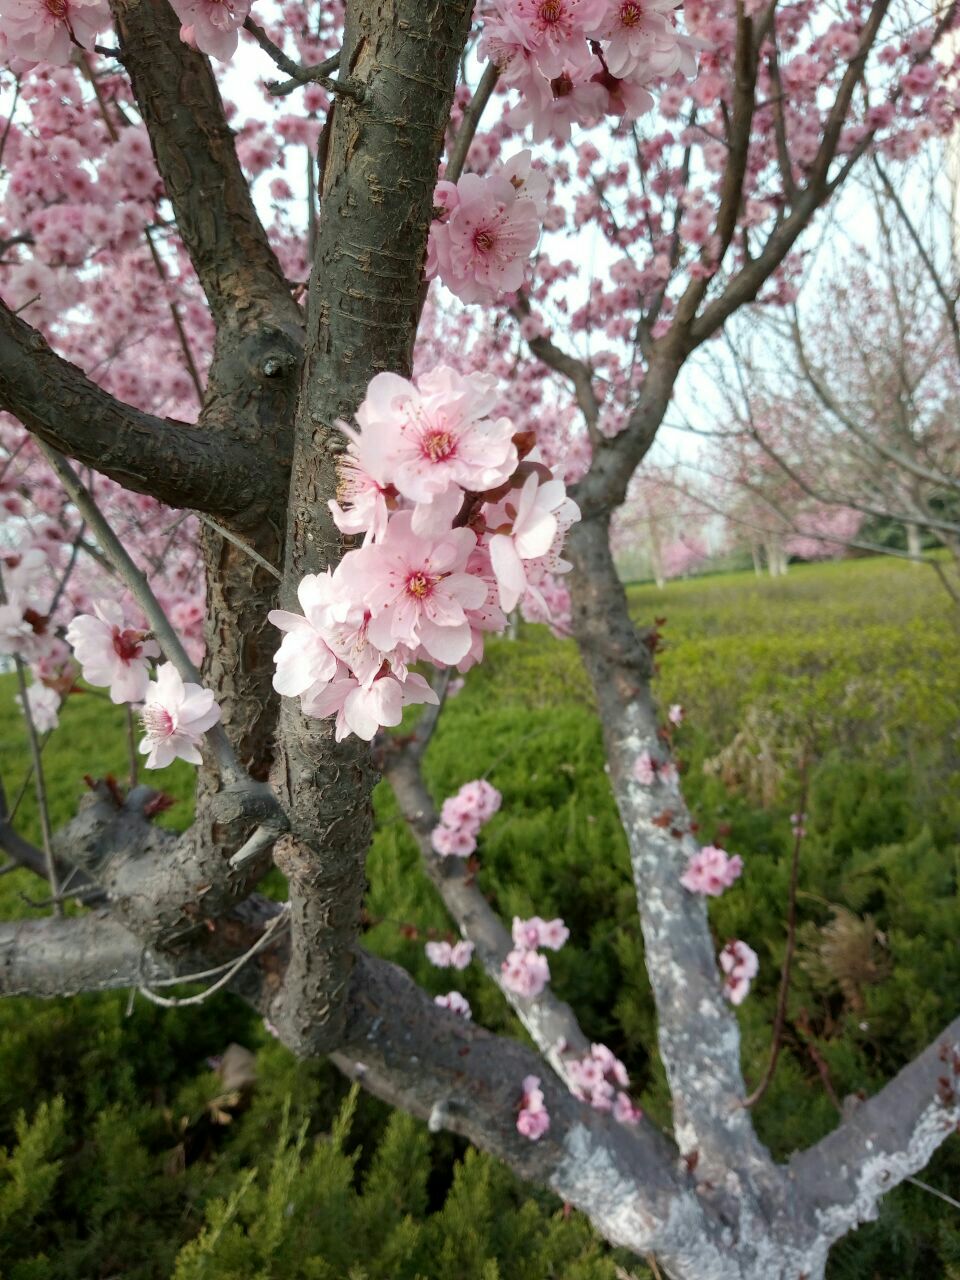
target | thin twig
x=9, y=121
x=238, y=542
x=91, y=76
x=471, y=119
x=175, y=1002
x=431, y=714
x=140, y=589
x=780, y=1016
x=132, y=755
x=307, y=75
x=177, y=320
x=942, y=1195
x=24, y=785
x=299, y=74
x=40, y=787
x=71, y=564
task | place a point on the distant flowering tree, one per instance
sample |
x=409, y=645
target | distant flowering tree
x=339, y=394
x=840, y=412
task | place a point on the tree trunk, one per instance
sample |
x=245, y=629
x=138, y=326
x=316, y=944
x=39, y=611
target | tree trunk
x=914, y=544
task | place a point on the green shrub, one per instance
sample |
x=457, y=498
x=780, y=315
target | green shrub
x=140, y=1170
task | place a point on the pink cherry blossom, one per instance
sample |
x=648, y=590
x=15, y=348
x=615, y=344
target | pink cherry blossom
x=304, y=659
x=480, y=248
x=596, y=1077
x=553, y=934
x=453, y=842
x=535, y=524
x=175, y=717
x=644, y=769
x=533, y=933
x=456, y=812
x=526, y=933
x=640, y=35
x=213, y=25
x=445, y=956
x=461, y=953
x=17, y=635
x=44, y=704
x=111, y=653
x=675, y=714
x=364, y=488
x=625, y=1111
x=364, y=710
x=533, y=1120
x=740, y=964
x=417, y=590
x=436, y=433
x=462, y=816
x=711, y=871
x=23, y=623
x=438, y=953
x=553, y=106
x=480, y=798
x=554, y=30
x=45, y=30
x=525, y=973
x=456, y=1003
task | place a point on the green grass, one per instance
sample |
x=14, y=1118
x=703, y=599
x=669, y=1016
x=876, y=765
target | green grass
x=852, y=665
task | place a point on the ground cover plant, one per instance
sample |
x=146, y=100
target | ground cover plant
x=132, y=1156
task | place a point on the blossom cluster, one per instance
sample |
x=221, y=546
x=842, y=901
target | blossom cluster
x=462, y=816
x=711, y=871
x=575, y=61
x=175, y=714
x=46, y=31
x=600, y=1078
x=26, y=633
x=212, y=26
x=42, y=706
x=449, y=956
x=456, y=1003
x=533, y=1119
x=525, y=971
x=740, y=965
x=485, y=228
x=647, y=770
x=458, y=515
x=111, y=654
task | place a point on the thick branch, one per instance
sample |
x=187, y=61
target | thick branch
x=746, y=62
x=176, y=463
x=550, y=1022
x=471, y=119
x=570, y=366
x=698, y=1034
x=64, y=957
x=464, y=1079
x=888, y=1138
x=193, y=145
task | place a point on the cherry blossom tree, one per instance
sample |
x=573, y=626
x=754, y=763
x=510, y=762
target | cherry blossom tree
x=846, y=403
x=297, y=471
x=655, y=526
